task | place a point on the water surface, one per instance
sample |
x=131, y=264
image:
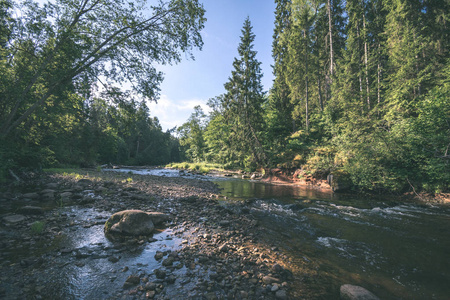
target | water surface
x=397, y=250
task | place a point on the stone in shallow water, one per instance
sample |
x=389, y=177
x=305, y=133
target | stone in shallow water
x=160, y=274
x=52, y=185
x=129, y=222
x=132, y=280
x=354, y=292
x=134, y=222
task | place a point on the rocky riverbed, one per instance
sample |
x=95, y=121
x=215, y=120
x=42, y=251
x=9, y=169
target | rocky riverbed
x=53, y=247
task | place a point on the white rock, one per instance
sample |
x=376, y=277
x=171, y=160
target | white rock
x=354, y=292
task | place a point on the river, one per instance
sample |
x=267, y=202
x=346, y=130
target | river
x=395, y=249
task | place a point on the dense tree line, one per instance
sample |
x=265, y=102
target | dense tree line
x=361, y=91
x=70, y=74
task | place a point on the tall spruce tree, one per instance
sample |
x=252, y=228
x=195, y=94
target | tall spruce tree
x=413, y=49
x=300, y=45
x=244, y=99
x=280, y=105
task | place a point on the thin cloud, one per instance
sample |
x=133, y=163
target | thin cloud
x=174, y=113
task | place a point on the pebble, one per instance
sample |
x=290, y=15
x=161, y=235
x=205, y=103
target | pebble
x=31, y=196
x=168, y=262
x=150, y=286
x=223, y=248
x=160, y=274
x=270, y=280
x=131, y=281
x=150, y=294
x=281, y=294
x=13, y=219
x=209, y=239
x=274, y=288
x=277, y=268
x=159, y=255
x=113, y=259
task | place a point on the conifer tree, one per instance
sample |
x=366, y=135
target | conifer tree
x=300, y=45
x=412, y=50
x=244, y=98
x=279, y=94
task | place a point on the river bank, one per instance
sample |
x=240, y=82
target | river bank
x=300, y=178
x=52, y=228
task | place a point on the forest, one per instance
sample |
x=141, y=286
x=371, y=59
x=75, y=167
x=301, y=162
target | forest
x=361, y=90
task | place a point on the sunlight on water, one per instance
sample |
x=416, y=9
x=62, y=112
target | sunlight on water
x=397, y=250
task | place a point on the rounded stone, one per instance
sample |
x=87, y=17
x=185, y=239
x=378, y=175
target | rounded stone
x=354, y=292
x=129, y=222
x=14, y=219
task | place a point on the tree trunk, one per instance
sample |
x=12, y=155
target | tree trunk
x=366, y=54
x=330, y=33
x=379, y=76
x=306, y=81
x=319, y=87
x=358, y=34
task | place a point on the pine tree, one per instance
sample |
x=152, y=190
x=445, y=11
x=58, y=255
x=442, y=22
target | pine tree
x=244, y=98
x=414, y=49
x=300, y=45
x=280, y=89
x=279, y=110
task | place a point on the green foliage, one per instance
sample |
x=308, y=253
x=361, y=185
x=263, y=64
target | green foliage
x=361, y=90
x=242, y=108
x=67, y=45
x=37, y=227
x=51, y=57
x=202, y=168
x=372, y=109
x=191, y=135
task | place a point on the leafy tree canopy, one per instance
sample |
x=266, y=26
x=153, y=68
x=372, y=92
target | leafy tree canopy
x=68, y=43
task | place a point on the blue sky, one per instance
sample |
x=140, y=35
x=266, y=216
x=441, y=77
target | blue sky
x=192, y=83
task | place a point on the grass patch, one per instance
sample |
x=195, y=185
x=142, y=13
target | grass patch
x=76, y=174
x=62, y=171
x=37, y=227
x=203, y=167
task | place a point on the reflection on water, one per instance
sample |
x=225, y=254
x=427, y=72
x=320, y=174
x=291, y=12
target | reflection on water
x=396, y=250
x=85, y=270
x=236, y=188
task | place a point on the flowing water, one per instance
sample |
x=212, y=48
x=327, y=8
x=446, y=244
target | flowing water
x=396, y=250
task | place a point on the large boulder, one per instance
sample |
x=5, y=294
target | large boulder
x=158, y=218
x=133, y=222
x=354, y=292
